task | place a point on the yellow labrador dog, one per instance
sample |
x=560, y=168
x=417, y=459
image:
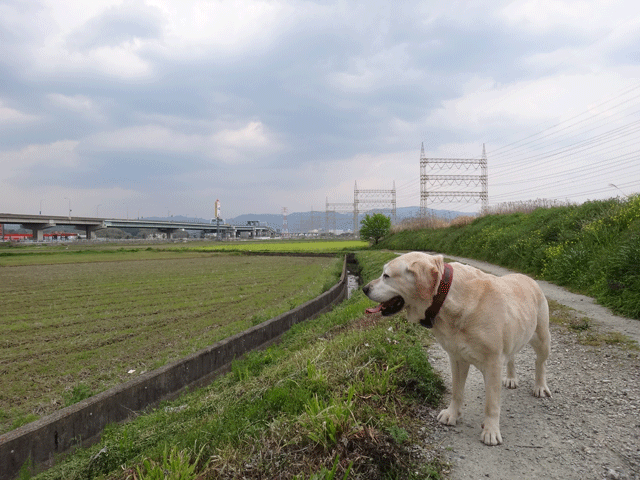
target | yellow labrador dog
x=478, y=318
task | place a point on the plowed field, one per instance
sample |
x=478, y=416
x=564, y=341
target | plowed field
x=67, y=330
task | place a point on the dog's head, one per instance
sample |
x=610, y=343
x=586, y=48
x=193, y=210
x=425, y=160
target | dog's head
x=409, y=280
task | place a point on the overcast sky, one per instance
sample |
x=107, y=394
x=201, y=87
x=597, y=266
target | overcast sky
x=160, y=107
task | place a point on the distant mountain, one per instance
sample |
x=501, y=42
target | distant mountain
x=321, y=220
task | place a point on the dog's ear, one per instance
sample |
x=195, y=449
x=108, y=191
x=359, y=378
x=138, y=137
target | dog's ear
x=427, y=275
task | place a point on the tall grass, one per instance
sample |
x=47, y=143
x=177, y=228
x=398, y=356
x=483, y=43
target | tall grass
x=593, y=248
x=526, y=206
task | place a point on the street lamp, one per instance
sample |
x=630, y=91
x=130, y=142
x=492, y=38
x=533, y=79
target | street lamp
x=41, y=200
x=67, y=198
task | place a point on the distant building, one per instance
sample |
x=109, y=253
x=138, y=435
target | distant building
x=51, y=237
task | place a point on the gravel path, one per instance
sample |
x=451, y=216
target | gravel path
x=589, y=429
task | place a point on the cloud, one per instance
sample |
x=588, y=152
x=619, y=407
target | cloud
x=57, y=154
x=122, y=24
x=271, y=103
x=10, y=115
x=246, y=143
x=544, y=16
x=155, y=138
x=80, y=104
x=84, y=39
x=485, y=105
x=224, y=29
x=55, y=200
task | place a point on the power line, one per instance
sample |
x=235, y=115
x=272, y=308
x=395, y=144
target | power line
x=497, y=152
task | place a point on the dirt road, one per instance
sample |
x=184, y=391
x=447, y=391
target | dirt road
x=589, y=429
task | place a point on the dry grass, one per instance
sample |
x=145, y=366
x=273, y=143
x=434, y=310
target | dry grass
x=526, y=206
x=462, y=220
x=420, y=223
x=430, y=222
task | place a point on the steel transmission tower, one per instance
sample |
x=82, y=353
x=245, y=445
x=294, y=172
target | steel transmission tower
x=373, y=199
x=311, y=223
x=430, y=184
x=330, y=213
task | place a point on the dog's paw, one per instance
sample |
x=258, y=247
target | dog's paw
x=510, y=382
x=448, y=417
x=490, y=434
x=541, y=391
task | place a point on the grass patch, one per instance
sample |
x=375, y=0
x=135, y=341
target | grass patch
x=335, y=399
x=77, y=394
x=596, y=339
x=70, y=330
x=585, y=330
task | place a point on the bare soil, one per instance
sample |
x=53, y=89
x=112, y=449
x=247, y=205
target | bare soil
x=589, y=429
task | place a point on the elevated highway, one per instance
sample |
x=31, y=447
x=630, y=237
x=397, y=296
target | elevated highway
x=38, y=223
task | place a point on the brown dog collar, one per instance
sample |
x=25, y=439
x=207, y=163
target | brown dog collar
x=438, y=299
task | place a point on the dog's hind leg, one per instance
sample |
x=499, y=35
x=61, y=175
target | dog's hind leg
x=459, y=371
x=511, y=381
x=541, y=347
x=541, y=343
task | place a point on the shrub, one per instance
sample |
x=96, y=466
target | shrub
x=375, y=227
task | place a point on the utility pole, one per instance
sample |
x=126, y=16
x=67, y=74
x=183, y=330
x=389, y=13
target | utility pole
x=67, y=198
x=285, y=225
x=217, y=211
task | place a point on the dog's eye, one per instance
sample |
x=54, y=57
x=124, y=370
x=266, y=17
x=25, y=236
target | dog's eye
x=385, y=276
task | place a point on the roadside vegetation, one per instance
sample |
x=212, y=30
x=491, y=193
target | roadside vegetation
x=71, y=330
x=593, y=248
x=336, y=398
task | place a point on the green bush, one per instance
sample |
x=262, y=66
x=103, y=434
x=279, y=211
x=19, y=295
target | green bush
x=593, y=248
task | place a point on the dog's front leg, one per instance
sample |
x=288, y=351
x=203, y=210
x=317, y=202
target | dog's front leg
x=459, y=371
x=492, y=384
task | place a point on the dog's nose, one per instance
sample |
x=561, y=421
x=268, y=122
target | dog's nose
x=365, y=289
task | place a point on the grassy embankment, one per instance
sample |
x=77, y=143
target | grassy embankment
x=593, y=248
x=76, y=322
x=337, y=396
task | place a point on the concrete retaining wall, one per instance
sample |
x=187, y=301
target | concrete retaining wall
x=83, y=422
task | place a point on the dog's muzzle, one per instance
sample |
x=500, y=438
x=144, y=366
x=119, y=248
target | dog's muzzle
x=390, y=307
